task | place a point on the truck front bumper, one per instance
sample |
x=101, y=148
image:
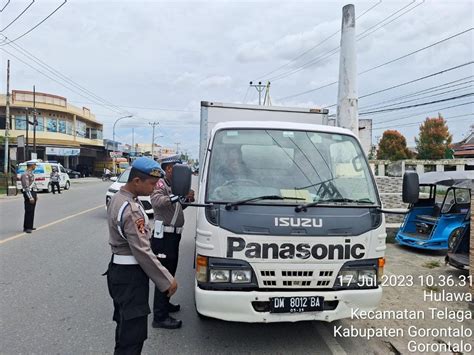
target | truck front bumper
x=238, y=306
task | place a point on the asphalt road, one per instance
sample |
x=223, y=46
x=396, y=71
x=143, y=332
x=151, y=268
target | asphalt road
x=53, y=299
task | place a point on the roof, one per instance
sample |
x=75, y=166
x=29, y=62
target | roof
x=282, y=126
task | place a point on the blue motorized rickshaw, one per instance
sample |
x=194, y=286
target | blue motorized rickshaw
x=441, y=211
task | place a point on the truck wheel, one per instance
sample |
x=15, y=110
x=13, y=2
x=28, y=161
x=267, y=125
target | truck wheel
x=49, y=189
x=67, y=186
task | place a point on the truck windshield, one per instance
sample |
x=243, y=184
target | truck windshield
x=300, y=166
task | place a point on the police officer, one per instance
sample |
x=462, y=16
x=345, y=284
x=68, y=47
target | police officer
x=55, y=177
x=169, y=221
x=28, y=188
x=133, y=262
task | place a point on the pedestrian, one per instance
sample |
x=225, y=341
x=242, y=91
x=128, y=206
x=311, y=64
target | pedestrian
x=28, y=189
x=55, y=177
x=133, y=263
x=169, y=221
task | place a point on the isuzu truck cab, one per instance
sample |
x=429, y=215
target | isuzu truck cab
x=291, y=227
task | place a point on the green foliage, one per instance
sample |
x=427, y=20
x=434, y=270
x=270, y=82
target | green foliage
x=393, y=146
x=434, y=139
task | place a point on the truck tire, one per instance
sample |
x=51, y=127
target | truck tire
x=49, y=189
x=67, y=186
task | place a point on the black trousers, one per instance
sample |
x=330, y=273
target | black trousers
x=55, y=184
x=29, y=211
x=168, y=246
x=129, y=288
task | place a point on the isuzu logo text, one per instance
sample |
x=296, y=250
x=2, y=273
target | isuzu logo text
x=298, y=222
x=254, y=250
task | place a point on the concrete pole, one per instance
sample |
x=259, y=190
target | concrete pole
x=347, y=98
x=7, y=121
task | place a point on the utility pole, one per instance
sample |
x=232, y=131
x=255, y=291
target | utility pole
x=260, y=87
x=7, y=121
x=35, y=121
x=177, y=146
x=267, y=101
x=347, y=99
x=153, y=124
x=27, y=121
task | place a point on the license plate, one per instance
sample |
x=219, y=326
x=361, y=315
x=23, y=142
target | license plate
x=296, y=304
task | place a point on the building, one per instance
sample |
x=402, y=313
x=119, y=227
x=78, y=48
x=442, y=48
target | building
x=465, y=148
x=66, y=133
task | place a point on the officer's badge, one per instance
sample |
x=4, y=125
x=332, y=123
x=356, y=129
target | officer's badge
x=141, y=225
x=155, y=172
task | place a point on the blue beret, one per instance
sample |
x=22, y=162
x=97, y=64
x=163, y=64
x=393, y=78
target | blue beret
x=170, y=160
x=148, y=166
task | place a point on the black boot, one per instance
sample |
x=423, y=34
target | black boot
x=168, y=323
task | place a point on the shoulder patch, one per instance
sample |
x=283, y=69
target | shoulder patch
x=140, y=223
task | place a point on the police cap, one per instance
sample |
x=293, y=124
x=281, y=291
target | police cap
x=148, y=166
x=170, y=160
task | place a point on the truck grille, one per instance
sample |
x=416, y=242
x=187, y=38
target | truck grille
x=295, y=278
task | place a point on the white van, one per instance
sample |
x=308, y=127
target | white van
x=42, y=176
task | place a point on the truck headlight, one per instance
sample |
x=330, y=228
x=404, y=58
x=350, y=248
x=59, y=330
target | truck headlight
x=241, y=276
x=360, y=274
x=219, y=275
x=367, y=277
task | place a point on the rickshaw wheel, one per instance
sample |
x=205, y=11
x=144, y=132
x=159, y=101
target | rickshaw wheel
x=453, y=238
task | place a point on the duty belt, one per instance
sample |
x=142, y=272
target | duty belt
x=124, y=260
x=171, y=229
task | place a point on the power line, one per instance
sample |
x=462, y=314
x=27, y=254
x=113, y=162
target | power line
x=404, y=83
x=142, y=108
x=63, y=77
x=417, y=51
x=336, y=49
x=383, y=64
x=60, y=83
x=422, y=113
x=420, y=92
x=317, y=45
x=38, y=24
x=416, y=105
x=418, y=122
x=3, y=8
x=16, y=18
x=385, y=24
x=420, y=98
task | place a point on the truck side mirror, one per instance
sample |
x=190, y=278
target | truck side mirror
x=181, y=181
x=411, y=187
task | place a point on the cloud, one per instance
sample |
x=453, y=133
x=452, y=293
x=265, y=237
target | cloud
x=252, y=51
x=216, y=81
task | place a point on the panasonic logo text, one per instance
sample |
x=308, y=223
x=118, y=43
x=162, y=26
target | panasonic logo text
x=298, y=222
x=254, y=250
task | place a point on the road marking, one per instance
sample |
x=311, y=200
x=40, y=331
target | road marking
x=330, y=341
x=52, y=223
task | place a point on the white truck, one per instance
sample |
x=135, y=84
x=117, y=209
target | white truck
x=291, y=227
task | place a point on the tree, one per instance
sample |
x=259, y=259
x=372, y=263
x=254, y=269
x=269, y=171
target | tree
x=393, y=146
x=434, y=139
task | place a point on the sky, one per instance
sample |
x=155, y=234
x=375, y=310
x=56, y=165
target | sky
x=156, y=60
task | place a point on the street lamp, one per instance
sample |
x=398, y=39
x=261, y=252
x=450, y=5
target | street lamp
x=113, y=135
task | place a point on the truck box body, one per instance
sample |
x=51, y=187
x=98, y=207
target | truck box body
x=292, y=230
x=216, y=112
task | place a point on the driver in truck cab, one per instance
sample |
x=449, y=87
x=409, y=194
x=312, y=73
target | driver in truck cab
x=233, y=168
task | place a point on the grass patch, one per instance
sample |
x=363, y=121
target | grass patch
x=431, y=264
x=432, y=288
